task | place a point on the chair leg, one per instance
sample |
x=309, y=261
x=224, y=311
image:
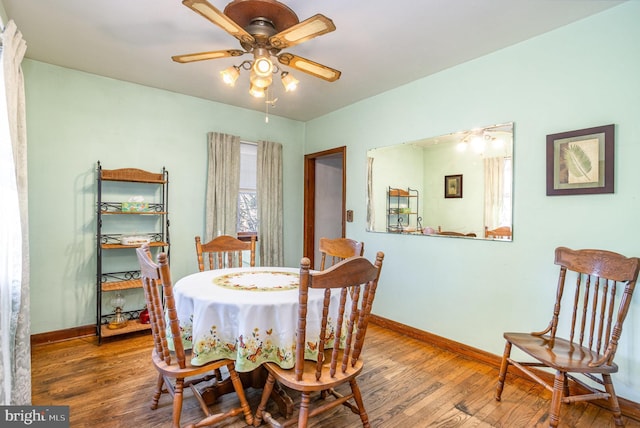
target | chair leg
x=504, y=366
x=357, y=396
x=266, y=393
x=158, y=392
x=613, y=400
x=244, y=404
x=556, y=398
x=303, y=416
x=177, y=403
x=565, y=387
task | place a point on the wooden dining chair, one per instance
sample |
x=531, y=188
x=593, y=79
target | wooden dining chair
x=174, y=366
x=591, y=319
x=502, y=232
x=335, y=250
x=224, y=251
x=334, y=365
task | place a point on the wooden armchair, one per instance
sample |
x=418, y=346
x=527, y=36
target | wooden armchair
x=338, y=249
x=336, y=366
x=174, y=366
x=224, y=251
x=502, y=232
x=593, y=322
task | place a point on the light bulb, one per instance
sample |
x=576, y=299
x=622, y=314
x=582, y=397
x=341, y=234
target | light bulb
x=289, y=82
x=260, y=81
x=263, y=67
x=478, y=144
x=230, y=75
x=256, y=91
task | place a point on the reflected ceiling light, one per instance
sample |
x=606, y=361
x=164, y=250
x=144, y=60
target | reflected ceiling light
x=497, y=143
x=477, y=143
x=461, y=146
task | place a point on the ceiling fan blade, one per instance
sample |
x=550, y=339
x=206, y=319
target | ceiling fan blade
x=315, y=26
x=206, y=9
x=310, y=67
x=201, y=56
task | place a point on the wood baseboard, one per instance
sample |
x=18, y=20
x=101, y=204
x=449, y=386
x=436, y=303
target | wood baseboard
x=629, y=408
x=60, y=335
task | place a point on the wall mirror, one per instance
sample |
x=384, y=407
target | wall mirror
x=455, y=185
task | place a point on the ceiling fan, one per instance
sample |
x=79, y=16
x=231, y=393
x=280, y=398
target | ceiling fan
x=263, y=28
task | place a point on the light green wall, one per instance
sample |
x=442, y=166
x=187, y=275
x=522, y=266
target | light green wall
x=75, y=119
x=582, y=75
x=470, y=291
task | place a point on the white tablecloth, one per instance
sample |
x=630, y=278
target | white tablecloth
x=249, y=315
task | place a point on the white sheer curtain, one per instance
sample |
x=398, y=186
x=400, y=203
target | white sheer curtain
x=495, y=193
x=223, y=185
x=270, y=234
x=15, y=349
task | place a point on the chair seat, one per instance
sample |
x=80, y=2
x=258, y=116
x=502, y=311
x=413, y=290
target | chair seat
x=173, y=370
x=560, y=354
x=309, y=382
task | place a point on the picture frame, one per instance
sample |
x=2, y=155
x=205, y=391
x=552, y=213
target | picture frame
x=453, y=186
x=581, y=162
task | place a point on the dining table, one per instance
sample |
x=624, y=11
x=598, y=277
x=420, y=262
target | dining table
x=249, y=315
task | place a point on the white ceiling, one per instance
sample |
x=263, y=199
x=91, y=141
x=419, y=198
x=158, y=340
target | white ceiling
x=378, y=45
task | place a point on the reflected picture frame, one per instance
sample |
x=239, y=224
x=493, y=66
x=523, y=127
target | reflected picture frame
x=453, y=186
x=581, y=162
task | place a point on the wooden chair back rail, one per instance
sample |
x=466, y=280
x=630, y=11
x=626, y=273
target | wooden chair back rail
x=594, y=324
x=335, y=250
x=355, y=279
x=498, y=232
x=224, y=251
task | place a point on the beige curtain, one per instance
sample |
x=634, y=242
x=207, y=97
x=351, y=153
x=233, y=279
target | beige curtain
x=223, y=185
x=371, y=220
x=493, y=191
x=15, y=331
x=270, y=213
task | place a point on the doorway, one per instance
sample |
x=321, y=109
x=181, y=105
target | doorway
x=324, y=199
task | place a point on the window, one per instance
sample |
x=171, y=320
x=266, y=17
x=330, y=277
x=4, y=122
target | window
x=247, y=197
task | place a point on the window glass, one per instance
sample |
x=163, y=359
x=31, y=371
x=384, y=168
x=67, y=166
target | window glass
x=247, y=197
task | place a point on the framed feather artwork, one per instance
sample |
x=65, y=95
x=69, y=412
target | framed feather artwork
x=581, y=162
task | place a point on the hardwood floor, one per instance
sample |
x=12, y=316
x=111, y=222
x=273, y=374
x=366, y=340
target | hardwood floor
x=405, y=383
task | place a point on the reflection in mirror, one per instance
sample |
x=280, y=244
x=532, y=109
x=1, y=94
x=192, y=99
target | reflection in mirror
x=457, y=185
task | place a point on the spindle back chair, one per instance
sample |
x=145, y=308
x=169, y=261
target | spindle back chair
x=590, y=321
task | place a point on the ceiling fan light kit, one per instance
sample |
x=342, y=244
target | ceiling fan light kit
x=263, y=28
x=289, y=82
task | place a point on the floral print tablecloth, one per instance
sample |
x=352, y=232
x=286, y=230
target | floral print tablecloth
x=249, y=315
